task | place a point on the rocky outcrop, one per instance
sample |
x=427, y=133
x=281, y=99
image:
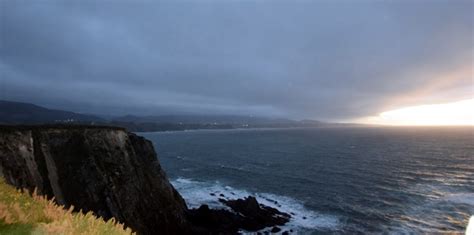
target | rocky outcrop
x=102, y=169
x=246, y=214
x=115, y=173
x=256, y=216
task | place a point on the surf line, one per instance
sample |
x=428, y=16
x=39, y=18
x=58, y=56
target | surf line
x=470, y=226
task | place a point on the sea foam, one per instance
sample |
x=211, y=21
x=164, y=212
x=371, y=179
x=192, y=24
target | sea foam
x=470, y=226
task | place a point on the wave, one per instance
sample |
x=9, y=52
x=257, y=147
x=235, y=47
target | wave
x=470, y=226
x=197, y=193
x=464, y=198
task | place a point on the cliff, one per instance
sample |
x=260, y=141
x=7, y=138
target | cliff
x=101, y=169
x=116, y=174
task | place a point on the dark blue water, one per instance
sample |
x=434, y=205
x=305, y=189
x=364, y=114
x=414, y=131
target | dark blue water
x=341, y=180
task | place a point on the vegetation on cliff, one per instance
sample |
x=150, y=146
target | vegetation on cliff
x=22, y=213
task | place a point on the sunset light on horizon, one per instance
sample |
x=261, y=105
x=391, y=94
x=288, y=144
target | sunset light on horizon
x=459, y=113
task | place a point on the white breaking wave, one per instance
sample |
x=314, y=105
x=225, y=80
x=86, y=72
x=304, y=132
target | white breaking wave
x=466, y=198
x=470, y=226
x=197, y=193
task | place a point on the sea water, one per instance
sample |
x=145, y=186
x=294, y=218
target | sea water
x=331, y=180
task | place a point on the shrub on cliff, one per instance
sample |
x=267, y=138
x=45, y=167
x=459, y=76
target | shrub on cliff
x=22, y=213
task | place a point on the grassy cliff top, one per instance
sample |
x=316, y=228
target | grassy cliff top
x=22, y=213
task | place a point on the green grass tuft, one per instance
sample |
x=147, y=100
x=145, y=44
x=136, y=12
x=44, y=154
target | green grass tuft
x=22, y=213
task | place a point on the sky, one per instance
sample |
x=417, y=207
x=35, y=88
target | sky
x=327, y=60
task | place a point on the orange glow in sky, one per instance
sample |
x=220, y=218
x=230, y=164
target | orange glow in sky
x=450, y=114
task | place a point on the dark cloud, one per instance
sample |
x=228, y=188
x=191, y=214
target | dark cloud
x=304, y=59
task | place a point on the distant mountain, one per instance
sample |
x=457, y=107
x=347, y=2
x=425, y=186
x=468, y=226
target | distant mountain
x=25, y=113
x=204, y=119
x=189, y=122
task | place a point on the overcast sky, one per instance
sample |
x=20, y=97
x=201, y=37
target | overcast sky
x=328, y=60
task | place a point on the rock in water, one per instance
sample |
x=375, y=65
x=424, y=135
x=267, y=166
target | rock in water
x=275, y=230
x=101, y=169
x=247, y=214
x=256, y=216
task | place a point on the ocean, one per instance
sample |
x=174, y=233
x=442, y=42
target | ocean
x=364, y=180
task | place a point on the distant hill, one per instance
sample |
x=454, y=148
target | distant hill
x=25, y=113
x=192, y=122
x=204, y=119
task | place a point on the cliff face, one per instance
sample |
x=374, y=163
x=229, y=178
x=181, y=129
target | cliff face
x=102, y=169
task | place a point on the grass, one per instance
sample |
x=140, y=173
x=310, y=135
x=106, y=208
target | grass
x=22, y=213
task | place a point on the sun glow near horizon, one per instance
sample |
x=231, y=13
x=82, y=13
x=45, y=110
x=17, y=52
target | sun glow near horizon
x=447, y=114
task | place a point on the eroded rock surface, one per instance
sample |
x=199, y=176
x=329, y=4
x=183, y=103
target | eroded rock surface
x=102, y=169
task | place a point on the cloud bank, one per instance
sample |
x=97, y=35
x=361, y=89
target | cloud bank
x=331, y=60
